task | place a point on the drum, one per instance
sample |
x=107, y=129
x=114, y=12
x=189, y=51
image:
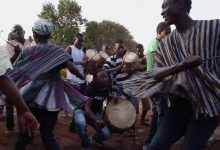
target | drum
x=103, y=56
x=130, y=60
x=120, y=116
x=92, y=58
x=92, y=55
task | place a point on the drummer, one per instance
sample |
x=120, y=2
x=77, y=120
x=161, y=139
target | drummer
x=114, y=66
x=92, y=112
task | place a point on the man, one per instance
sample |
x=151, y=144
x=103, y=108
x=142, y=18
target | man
x=16, y=43
x=36, y=73
x=78, y=56
x=145, y=101
x=92, y=113
x=140, y=54
x=159, y=100
x=193, y=86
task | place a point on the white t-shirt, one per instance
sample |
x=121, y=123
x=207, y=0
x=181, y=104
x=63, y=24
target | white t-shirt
x=77, y=55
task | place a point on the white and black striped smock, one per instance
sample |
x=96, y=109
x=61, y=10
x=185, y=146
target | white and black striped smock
x=116, y=76
x=202, y=84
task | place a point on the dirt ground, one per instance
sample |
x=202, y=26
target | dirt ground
x=70, y=141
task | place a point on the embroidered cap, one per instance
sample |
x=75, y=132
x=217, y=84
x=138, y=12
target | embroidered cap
x=43, y=27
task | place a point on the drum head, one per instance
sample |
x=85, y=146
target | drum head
x=121, y=115
x=130, y=57
x=103, y=55
x=92, y=54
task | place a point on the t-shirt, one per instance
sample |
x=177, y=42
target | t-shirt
x=150, y=49
x=99, y=95
x=78, y=56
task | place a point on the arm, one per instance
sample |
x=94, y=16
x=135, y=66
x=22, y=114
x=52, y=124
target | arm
x=88, y=110
x=26, y=120
x=72, y=68
x=17, y=51
x=189, y=62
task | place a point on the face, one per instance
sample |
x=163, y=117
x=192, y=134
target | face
x=101, y=78
x=170, y=11
x=78, y=42
x=18, y=33
x=119, y=49
x=140, y=52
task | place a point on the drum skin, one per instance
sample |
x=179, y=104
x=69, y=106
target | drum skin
x=121, y=115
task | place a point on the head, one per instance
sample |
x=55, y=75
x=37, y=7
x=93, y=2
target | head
x=119, y=48
x=78, y=40
x=10, y=36
x=140, y=50
x=174, y=10
x=100, y=78
x=162, y=30
x=18, y=33
x=105, y=48
x=42, y=30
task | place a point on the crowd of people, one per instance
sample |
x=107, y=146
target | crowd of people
x=183, y=65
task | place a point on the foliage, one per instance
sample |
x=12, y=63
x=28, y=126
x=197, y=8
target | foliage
x=66, y=18
x=106, y=32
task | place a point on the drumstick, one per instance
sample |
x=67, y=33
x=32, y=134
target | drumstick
x=211, y=58
x=8, y=42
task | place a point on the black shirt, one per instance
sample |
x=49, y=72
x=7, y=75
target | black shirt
x=99, y=95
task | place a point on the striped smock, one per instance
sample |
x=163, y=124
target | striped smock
x=36, y=73
x=202, y=84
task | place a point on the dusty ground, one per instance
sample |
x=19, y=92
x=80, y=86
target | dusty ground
x=70, y=141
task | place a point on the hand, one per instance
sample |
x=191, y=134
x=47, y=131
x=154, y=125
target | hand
x=192, y=62
x=28, y=123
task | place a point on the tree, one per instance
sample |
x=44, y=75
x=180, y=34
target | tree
x=66, y=18
x=106, y=32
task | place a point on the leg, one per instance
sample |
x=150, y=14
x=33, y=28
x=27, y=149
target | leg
x=80, y=122
x=47, y=120
x=145, y=108
x=9, y=118
x=198, y=132
x=102, y=133
x=153, y=127
x=173, y=126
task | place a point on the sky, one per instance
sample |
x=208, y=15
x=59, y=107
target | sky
x=140, y=17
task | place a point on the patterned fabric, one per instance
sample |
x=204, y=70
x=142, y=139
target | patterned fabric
x=201, y=85
x=36, y=73
x=43, y=27
x=4, y=61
